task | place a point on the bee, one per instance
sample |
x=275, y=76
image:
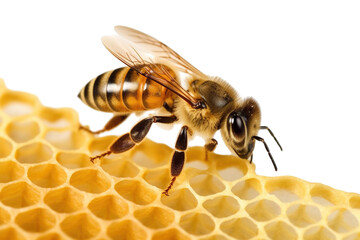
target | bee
x=153, y=79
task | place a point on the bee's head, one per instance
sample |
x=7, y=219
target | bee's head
x=240, y=128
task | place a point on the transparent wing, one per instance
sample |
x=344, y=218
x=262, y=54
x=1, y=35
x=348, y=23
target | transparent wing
x=160, y=52
x=151, y=58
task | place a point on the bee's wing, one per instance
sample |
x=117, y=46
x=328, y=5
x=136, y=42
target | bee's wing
x=160, y=52
x=145, y=55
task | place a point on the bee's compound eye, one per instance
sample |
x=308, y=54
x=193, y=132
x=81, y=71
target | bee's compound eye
x=237, y=126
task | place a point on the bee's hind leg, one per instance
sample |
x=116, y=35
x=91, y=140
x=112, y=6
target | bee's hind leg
x=135, y=136
x=115, y=121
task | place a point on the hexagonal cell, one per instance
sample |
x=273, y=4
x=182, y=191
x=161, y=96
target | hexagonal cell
x=318, y=232
x=206, y=184
x=240, y=228
x=263, y=210
x=286, y=189
x=47, y=175
x=23, y=131
x=302, y=215
x=5, y=147
x=247, y=189
x=119, y=167
x=171, y=233
x=197, y=164
x=50, y=236
x=73, y=160
x=146, y=216
x=19, y=195
x=231, y=168
x=145, y=155
x=64, y=200
x=4, y=216
x=34, y=153
x=280, y=230
x=231, y=173
x=36, y=220
x=108, y=207
x=57, y=117
x=10, y=233
x=342, y=220
x=80, y=226
x=66, y=140
x=10, y=171
x=90, y=180
x=135, y=191
x=355, y=201
x=159, y=178
x=197, y=223
x=222, y=206
x=180, y=200
x=18, y=103
x=126, y=230
x=326, y=196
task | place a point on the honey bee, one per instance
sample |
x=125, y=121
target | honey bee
x=151, y=81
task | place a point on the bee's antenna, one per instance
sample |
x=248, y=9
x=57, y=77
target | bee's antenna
x=272, y=134
x=267, y=149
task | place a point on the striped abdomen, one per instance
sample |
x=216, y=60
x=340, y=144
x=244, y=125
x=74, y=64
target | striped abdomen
x=124, y=90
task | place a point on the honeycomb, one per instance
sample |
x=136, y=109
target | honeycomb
x=50, y=190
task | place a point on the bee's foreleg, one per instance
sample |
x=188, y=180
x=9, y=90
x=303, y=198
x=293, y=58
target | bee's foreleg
x=135, y=136
x=210, y=147
x=115, y=121
x=178, y=158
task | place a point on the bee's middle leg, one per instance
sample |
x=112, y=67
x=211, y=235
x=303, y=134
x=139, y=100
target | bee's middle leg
x=135, y=136
x=178, y=159
x=115, y=121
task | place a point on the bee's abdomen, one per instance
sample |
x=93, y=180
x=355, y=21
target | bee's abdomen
x=123, y=90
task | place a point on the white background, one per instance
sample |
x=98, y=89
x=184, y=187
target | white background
x=299, y=59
